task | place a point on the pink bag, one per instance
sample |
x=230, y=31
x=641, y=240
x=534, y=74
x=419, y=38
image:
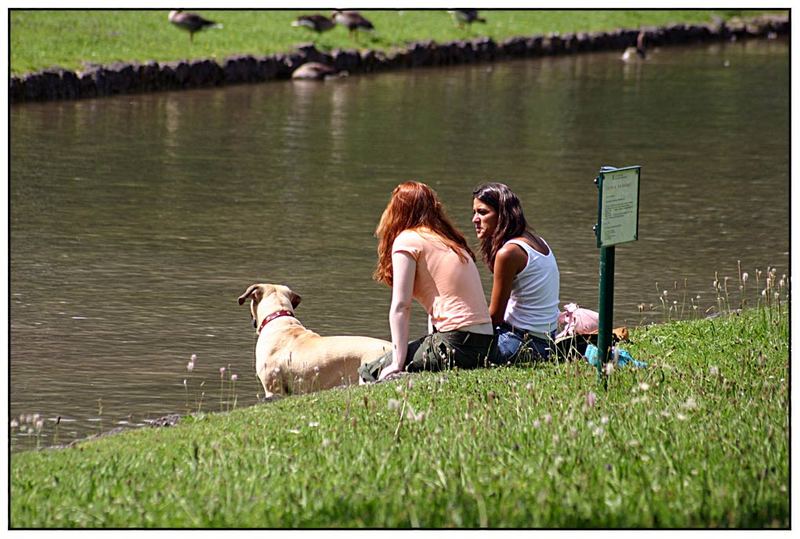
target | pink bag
x=575, y=320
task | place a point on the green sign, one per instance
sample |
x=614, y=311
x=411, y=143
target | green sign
x=618, y=219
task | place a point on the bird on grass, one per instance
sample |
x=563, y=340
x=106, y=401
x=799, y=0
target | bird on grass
x=353, y=20
x=191, y=22
x=318, y=23
x=635, y=53
x=465, y=16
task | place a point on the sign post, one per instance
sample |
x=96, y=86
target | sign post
x=617, y=222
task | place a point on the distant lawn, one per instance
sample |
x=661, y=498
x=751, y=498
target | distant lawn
x=699, y=439
x=48, y=38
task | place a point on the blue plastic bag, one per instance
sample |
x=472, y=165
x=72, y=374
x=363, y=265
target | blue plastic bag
x=592, y=356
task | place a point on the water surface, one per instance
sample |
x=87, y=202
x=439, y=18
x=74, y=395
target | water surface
x=136, y=221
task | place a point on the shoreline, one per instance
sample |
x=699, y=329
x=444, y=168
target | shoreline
x=132, y=78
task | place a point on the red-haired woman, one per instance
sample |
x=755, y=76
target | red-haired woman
x=421, y=255
x=524, y=303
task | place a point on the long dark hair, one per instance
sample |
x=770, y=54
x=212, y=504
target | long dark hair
x=511, y=221
x=414, y=205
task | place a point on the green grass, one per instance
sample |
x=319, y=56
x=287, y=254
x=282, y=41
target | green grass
x=697, y=439
x=46, y=38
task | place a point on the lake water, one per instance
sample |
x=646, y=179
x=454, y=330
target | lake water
x=136, y=221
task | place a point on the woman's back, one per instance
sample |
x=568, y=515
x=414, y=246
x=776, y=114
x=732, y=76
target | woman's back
x=447, y=286
x=533, y=303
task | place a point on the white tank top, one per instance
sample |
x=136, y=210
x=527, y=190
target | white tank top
x=533, y=304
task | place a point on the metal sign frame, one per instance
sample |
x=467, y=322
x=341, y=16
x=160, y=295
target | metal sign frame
x=607, y=259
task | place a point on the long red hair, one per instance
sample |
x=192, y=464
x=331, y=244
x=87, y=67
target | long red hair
x=414, y=205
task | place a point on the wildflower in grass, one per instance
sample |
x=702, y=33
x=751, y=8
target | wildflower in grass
x=394, y=404
x=713, y=370
x=190, y=366
x=745, y=276
x=604, y=420
x=681, y=417
x=598, y=431
x=14, y=424
x=590, y=399
x=221, y=371
x=537, y=423
x=294, y=431
x=690, y=404
x=633, y=443
x=644, y=386
x=609, y=368
x=548, y=418
x=411, y=416
x=313, y=424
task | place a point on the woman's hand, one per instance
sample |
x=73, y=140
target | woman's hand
x=388, y=370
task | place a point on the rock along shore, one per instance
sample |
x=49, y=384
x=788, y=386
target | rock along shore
x=124, y=78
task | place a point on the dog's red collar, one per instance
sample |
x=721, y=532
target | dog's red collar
x=273, y=316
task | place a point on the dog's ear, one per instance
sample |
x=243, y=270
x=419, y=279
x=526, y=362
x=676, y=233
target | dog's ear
x=253, y=290
x=294, y=298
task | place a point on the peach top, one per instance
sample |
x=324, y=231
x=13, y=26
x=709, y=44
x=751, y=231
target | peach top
x=448, y=288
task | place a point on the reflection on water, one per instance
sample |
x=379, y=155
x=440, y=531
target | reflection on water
x=136, y=221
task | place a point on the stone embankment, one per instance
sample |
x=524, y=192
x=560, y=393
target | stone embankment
x=121, y=78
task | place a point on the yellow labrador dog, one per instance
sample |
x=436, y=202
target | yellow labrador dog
x=292, y=359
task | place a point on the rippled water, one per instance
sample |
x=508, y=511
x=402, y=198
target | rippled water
x=136, y=221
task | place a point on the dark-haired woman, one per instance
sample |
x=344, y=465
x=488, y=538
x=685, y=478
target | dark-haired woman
x=524, y=302
x=421, y=255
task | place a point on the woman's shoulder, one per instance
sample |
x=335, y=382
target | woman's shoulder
x=409, y=240
x=413, y=235
x=536, y=243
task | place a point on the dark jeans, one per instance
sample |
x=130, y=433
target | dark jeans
x=440, y=351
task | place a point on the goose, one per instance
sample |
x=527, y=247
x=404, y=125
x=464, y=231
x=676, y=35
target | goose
x=630, y=54
x=353, y=20
x=315, y=71
x=465, y=16
x=191, y=22
x=318, y=23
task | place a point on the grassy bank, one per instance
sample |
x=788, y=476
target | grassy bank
x=697, y=439
x=47, y=38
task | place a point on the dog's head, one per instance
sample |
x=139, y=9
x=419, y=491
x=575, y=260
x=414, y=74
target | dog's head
x=269, y=298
